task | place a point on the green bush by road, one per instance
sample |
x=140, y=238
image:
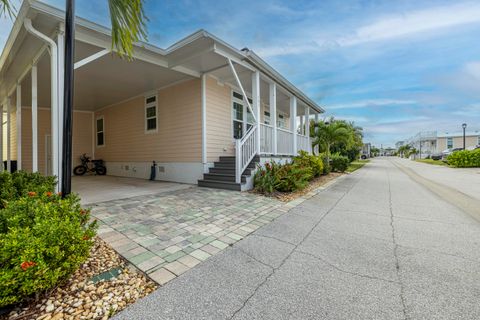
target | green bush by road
x=43, y=238
x=465, y=159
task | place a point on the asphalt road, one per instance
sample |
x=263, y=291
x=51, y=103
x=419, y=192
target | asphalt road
x=378, y=244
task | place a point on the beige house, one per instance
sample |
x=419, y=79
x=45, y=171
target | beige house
x=202, y=110
x=455, y=140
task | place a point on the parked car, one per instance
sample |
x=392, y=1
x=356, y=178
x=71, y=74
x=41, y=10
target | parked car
x=473, y=147
x=437, y=156
x=447, y=152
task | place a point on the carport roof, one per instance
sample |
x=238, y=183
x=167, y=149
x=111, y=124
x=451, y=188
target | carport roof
x=197, y=53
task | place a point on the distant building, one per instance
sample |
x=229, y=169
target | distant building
x=432, y=142
x=366, y=150
x=455, y=140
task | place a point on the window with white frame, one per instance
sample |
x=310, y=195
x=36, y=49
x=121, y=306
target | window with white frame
x=100, y=132
x=449, y=143
x=151, y=114
x=266, y=117
x=238, y=108
x=282, y=120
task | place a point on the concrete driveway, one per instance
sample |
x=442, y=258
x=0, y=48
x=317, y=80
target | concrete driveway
x=375, y=245
x=94, y=189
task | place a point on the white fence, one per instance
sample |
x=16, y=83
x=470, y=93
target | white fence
x=302, y=143
x=284, y=142
x=266, y=139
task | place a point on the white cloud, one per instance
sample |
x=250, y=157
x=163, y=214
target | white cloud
x=370, y=103
x=415, y=22
x=385, y=28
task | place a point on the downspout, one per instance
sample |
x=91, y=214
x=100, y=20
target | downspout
x=54, y=94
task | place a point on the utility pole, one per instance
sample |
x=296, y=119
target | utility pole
x=66, y=187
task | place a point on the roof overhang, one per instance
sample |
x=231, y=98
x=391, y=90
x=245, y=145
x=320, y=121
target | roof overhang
x=198, y=53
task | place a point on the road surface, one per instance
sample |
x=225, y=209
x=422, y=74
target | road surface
x=378, y=244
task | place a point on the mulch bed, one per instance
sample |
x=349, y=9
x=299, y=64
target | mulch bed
x=114, y=286
x=315, y=183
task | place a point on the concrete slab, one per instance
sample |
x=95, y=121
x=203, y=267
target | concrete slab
x=94, y=189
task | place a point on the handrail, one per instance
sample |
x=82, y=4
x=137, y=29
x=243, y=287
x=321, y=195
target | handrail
x=245, y=150
x=284, y=130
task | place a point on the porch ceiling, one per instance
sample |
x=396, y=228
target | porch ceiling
x=104, y=81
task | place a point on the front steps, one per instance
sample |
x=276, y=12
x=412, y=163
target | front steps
x=222, y=174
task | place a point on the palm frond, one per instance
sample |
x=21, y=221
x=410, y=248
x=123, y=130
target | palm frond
x=7, y=9
x=128, y=25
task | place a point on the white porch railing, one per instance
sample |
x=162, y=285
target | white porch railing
x=245, y=149
x=266, y=138
x=302, y=143
x=284, y=142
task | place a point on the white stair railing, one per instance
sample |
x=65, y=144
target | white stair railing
x=245, y=150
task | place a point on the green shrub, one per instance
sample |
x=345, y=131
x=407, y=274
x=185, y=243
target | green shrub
x=308, y=160
x=339, y=163
x=326, y=164
x=19, y=183
x=43, y=238
x=465, y=159
x=265, y=179
x=293, y=177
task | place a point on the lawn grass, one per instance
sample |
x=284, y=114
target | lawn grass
x=430, y=161
x=355, y=165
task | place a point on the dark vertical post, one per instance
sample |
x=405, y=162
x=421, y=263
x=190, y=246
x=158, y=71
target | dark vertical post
x=464, y=126
x=68, y=97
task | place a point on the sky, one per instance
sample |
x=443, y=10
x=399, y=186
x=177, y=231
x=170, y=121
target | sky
x=393, y=67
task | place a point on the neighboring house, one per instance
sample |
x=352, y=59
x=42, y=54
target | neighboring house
x=197, y=104
x=424, y=142
x=455, y=140
x=366, y=150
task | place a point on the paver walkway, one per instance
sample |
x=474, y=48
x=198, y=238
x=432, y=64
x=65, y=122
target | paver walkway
x=375, y=245
x=168, y=233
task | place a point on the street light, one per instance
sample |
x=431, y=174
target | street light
x=464, y=126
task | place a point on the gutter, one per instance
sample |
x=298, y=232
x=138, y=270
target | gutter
x=54, y=88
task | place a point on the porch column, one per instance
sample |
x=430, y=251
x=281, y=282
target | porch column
x=293, y=122
x=307, y=128
x=256, y=104
x=34, y=120
x=302, y=124
x=273, y=114
x=60, y=79
x=19, y=127
x=9, y=142
x=204, y=123
x=1, y=137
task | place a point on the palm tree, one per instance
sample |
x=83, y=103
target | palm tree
x=128, y=26
x=327, y=133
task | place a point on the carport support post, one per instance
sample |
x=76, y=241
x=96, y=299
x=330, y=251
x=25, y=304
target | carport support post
x=68, y=97
x=273, y=114
x=34, y=120
x=293, y=122
x=61, y=77
x=18, y=122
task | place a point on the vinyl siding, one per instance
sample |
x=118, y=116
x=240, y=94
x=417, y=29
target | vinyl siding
x=178, y=138
x=13, y=136
x=457, y=142
x=220, y=140
x=82, y=137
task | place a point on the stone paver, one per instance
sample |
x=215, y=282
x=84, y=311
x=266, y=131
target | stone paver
x=166, y=234
x=374, y=245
